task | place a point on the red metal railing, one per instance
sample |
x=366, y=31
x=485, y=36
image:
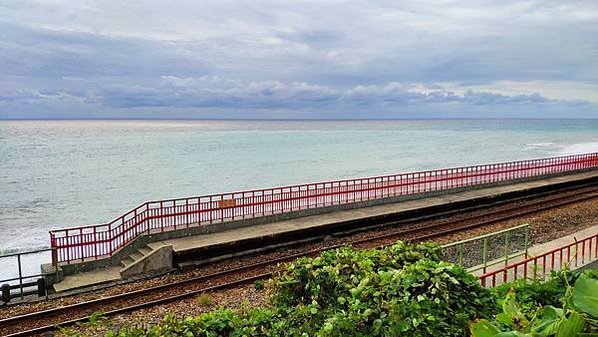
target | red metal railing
x=572, y=255
x=95, y=241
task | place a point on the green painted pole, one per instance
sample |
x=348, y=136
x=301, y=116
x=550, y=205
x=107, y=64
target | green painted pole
x=526, y=241
x=485, y=254
x=506, y=248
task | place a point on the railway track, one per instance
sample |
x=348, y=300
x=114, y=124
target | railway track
x=41, y=321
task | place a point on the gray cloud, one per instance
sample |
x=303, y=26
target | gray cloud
x=216, y=92
x=44, y=53
x=299, y=56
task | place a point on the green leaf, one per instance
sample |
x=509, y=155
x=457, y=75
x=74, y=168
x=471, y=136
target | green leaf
x=585, y=295
x=548, y=324
x=509, y=305
x=571, y=326
x=512, y=314
x=483, y=328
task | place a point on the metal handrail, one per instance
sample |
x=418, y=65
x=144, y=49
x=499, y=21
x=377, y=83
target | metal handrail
x=574, y=254
x=505, y=258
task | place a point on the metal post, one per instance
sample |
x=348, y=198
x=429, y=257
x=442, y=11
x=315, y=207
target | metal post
x=485, y=254
x=20, y=275
x=526, y=241
x=506, y=249
x=41, y=287
x=5, y=293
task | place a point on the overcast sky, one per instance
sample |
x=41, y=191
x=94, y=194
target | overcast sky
x=298, y=59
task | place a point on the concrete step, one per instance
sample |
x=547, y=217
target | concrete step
x=145, y=250
x=127, y=262
x=158, y=259
x=136, y=256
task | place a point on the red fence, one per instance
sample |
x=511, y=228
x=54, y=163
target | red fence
x=538, y=267
x=93, y=242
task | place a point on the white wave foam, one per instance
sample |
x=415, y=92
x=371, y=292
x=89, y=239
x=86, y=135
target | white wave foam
x=542, y=146
x=25, y=249
x=576, y=148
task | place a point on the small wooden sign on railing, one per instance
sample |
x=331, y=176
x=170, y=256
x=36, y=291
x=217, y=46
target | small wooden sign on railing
x=227, y=203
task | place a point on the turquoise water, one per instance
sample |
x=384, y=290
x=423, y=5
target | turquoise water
x=70, y=173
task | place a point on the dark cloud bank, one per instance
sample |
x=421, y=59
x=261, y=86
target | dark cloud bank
x=361, y=60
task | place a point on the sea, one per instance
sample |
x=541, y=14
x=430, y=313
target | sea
x=56, y=174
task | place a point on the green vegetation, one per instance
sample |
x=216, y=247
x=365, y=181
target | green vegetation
x=204, y=300
x=96, y=320
x=531, y=294
x=401, y=290
x=553, y=308
x=259, y=285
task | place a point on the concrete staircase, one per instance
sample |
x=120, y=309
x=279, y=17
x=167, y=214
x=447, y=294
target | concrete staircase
x=152, y=258
x=148, y=260
x=136, y=256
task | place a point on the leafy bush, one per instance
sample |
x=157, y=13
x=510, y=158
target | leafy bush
x=578, y=313
x=533, y=293
x=335, y=272
x=427, y=298
x=436, y=299
x=402, y=289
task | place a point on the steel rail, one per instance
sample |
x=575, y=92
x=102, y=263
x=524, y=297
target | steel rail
x=64, y=310
x=515, y=214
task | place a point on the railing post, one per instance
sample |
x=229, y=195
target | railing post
x=95, y=243
x=54, y=250
x=583, y=252
x=576, y=251
x=187, y=212
x=81, y=244
x=110, y=238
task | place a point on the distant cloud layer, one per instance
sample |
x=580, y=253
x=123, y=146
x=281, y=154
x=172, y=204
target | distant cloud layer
x=270, y=59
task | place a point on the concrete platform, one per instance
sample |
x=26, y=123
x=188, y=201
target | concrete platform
x=565, y=240
x=252, y=237
x=187, y=251
x=89, y=279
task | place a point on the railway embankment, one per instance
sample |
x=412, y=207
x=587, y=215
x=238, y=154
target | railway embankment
x=567, y=219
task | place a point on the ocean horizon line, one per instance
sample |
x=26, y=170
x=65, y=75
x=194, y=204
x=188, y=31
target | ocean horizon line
x=298, y=119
